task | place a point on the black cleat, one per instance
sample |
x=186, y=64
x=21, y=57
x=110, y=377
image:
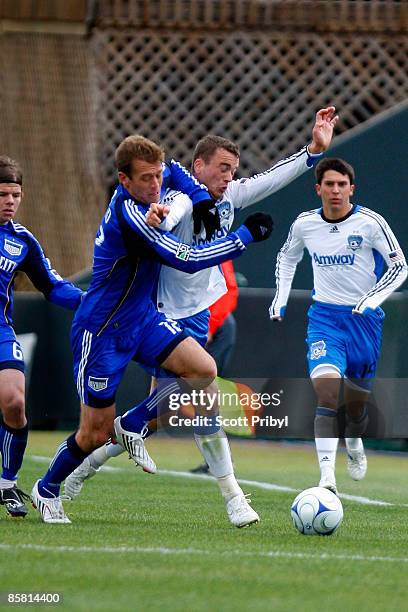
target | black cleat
x=13, y=499
x=201, y=469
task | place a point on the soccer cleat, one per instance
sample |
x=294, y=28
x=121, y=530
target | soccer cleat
x=240, y=512
x=356, y=464
x=75, y=481
x=134, y=444
x=13, y=500
x=51, y=509
x=328, y=481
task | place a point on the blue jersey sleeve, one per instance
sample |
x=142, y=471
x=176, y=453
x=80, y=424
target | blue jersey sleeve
x=176, y=176
x=171, y=252
x=48, y=281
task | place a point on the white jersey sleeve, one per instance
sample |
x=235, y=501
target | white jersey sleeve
x=288, y=258
x=180, y=206
x=247, y=191
x=383, y=241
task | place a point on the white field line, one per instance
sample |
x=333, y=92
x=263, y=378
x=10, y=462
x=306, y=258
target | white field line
x=273, y=554
x=251, y=483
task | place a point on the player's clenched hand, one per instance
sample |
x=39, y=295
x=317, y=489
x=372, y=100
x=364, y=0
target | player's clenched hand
x=260, y=226
x=156, y=214
x=206, y=212
x=322, y=133
x=273, y=315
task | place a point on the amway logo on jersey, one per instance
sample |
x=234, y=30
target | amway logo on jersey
x=221, y=233
x=334, y=260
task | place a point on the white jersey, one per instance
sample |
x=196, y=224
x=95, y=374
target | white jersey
x=182, y=295
x=347, y=255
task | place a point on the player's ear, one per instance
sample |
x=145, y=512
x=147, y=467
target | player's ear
x=352, y=188
x=318, y=189
x=197, y=165
x=123, y=178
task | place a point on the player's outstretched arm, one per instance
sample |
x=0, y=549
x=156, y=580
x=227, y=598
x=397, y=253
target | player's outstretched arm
x=187, y=258
x=247, y=191
x=47, y=280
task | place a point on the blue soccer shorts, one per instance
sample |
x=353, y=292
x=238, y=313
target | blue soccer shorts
x=195, y=326
x=350, y=343
x=11, y=353
x=100, y=361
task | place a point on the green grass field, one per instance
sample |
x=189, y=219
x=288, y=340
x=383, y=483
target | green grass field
x=163, y=542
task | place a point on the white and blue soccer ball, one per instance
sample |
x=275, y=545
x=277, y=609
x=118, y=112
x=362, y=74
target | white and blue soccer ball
x=317, y=511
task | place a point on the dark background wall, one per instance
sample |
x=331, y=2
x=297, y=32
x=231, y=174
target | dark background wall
x=268, y=356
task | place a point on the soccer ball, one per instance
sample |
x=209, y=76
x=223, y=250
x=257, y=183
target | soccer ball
x=317, y=511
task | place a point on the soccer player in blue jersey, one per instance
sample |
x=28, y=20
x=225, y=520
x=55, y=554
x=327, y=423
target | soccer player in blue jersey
x=185, y=298
x=348, y=244
x=118, y=320
x=19, y=251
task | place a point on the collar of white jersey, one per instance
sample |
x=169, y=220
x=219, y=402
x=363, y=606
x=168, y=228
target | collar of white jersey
x=354, y=208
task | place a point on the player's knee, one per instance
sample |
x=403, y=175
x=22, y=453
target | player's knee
x=13, y=408
x=207, y=369
x=327, y=389
x=328, y=398
x=202, y=369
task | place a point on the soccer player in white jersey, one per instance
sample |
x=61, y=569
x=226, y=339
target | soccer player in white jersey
x=348, y=245
x=187, y=298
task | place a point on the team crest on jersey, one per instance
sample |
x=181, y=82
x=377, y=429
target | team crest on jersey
x=13, y=248
x=223, y=209
x=183, y=252
x=97, y=384
x=354, y=242
x=318, y=349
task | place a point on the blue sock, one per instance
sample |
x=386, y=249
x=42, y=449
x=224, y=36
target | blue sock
x=137, y=418
x=68, y=456
x=13, y=443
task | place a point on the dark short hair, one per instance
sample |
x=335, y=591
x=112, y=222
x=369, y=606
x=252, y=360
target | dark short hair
x=137, y=147
x=336, y=164
x=207, y=146
x=10, y=171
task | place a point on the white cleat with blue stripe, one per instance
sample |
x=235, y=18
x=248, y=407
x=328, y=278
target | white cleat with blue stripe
x=50, y=509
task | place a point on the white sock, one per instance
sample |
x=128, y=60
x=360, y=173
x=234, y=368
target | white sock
x=326, y=449
x=103, y=453
x=216, y=451
x=354, y=444
x=7, y=484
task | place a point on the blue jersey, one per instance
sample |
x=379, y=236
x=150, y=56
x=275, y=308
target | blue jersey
x=127, y=258
x=20, y=250
x=176, y=176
